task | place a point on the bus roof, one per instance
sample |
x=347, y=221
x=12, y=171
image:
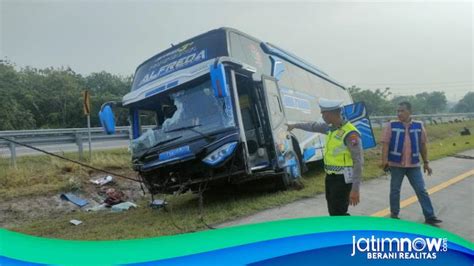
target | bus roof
x=268, y=48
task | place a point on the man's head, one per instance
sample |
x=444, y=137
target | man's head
x=332, y=116
x=331, y=110
x=404, y=111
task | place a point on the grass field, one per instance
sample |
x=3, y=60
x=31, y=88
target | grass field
x=40, y=175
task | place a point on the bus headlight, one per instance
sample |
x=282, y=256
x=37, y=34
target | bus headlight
x=220, y=154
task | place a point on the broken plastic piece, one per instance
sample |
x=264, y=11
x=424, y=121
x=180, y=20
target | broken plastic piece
x=74, y=199
x=75, y=222
x=103, y=180
x=123, y=206
x=100, y=207
x=158, y=203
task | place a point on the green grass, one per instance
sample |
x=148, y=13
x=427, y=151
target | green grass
x=147, y=222
x=46, y=175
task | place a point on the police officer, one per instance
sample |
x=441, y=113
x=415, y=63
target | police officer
x=343, y=156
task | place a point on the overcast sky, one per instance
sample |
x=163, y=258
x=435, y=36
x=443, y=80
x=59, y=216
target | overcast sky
x=408, y=46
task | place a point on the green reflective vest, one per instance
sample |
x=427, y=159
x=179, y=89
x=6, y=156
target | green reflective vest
x=336, y=154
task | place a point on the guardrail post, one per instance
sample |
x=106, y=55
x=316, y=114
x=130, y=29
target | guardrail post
x=79, y=145
x=380, y=121
x=12, y=148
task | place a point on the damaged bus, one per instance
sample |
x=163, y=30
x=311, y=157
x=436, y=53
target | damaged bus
x=218, y=104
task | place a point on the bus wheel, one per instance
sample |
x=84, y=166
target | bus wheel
x=283, y=181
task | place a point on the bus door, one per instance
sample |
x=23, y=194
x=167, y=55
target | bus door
x=282, y=143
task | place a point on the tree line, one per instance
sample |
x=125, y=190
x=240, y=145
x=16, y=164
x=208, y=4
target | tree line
x=32, y=98
x=382, y=102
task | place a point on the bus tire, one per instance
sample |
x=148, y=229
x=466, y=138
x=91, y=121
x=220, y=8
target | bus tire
x=283, y=181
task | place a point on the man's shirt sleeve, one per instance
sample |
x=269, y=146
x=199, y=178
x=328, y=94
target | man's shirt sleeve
x=354, y=144
x=313, y=127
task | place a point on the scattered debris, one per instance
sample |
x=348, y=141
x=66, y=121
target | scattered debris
x=465, y=132
x=158, y=203
x=123, y=206
x=74, y=199
x=115, y=208
x=113, y=197
x=103, y=180
x=101, y=207
x=75, y=222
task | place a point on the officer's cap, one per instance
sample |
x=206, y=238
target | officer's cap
x=329, y=105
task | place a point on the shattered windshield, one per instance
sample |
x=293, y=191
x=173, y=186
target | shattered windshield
x=183, y=114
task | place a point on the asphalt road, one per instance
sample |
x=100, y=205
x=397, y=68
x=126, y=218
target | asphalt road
x=451, y=190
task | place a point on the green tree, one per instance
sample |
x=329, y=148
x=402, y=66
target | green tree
x=466, y=104
x=430, y=102
x=107, y=87
x=425, y=102
x=52, y=97
x=376, y=101
x=13, y=115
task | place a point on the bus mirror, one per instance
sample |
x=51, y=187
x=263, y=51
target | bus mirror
x=218, y=80
x=357, y=114
x=107, y=118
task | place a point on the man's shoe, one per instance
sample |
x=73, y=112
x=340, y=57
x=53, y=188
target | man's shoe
x=393, y=216
x=433, y=221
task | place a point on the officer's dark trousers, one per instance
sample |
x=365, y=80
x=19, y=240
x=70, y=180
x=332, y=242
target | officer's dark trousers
x=337, y=194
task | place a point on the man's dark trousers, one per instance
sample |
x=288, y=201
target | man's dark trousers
x=337, y=194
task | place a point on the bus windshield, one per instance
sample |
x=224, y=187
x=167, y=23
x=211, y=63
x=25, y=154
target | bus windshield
x=182, y=114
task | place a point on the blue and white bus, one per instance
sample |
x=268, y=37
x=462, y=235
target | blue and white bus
x=220, y=102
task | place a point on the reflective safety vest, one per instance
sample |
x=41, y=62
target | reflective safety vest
x=336, y=154
x=397, y=140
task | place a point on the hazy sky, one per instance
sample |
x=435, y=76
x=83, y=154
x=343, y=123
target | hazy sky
x=408, y=46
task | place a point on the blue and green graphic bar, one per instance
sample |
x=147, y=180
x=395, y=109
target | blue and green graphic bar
x=308, y=241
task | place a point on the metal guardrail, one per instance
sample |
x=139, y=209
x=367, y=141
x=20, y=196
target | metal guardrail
x=431, y=118
x=79, y=135
x=58, y=137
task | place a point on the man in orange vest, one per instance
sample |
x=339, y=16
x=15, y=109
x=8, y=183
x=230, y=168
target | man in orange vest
x=404, y=145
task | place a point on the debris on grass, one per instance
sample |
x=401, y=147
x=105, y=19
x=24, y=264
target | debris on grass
x=158, y=203
x=74, y=199
x=113, y=197
x=123, y=206
x=102, y=181
x=465, y=132
x=75, y=222
x=101, y=207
